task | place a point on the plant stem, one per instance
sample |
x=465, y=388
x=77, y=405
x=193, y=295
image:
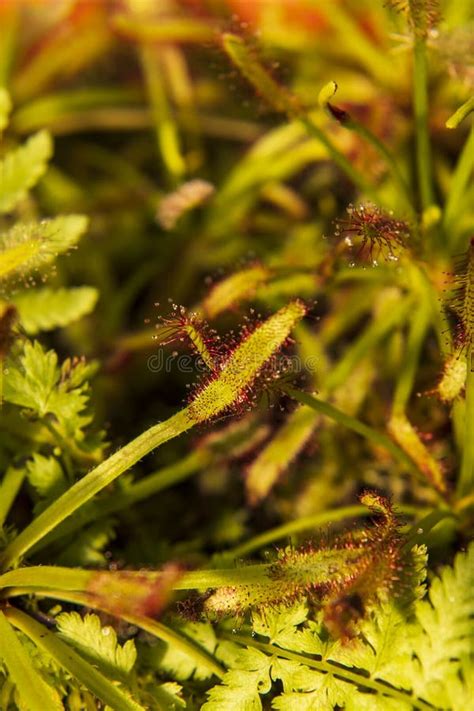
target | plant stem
x=123, y=499
x=45, y=576
x=165, y=126
x=339, y=158
x=457, y=191
x=329, y=667
x=386, y=321
x=34, y=693
x=96, y=480
x=255, y=574
x=419, y=323
x=465, y=484
x=387, y=156
x=423, y=148
x=371, y=434
x=9, y=488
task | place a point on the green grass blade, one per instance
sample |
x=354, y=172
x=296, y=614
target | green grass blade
x=372, y=435
x=9, y=488
x=66, y=657
x=100, y=477
x=34, y=692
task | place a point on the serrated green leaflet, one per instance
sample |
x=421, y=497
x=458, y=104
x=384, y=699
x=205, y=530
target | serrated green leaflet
x=27, y=247
x=46, y=309
x=22, y=168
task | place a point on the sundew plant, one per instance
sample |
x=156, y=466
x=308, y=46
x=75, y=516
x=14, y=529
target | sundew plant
x=237, y=355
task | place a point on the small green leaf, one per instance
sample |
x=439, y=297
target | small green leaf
x=46, y=309
x=21, y=169
x=46, y=476
x=459, y=115
x=444, y=635
x=241, y=687
x=35, y=381
x=97, y=644
x=31, y=382
x=35, y=693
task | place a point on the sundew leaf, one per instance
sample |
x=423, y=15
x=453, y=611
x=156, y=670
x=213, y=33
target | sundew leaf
x=240, y=286
x=225, y=390
x=34, y=692
x=28, y=246
x=98, y=644
x=267, y=468
x=5, y=107
x=405, y=435
x=21, y=169
x=185, y=198
x=277, y=96
x=244, y=364
x=46, y=309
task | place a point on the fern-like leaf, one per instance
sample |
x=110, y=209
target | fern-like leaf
x=443, y=641
x=97, y=644
x=36, y=382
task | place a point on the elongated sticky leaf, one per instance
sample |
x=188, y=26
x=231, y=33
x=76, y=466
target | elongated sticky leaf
x=238, y=287
x=45, y=309
x=275, y=458
x=225, y=389
x=21, y=169
x=34, y=692
x=5, y=107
